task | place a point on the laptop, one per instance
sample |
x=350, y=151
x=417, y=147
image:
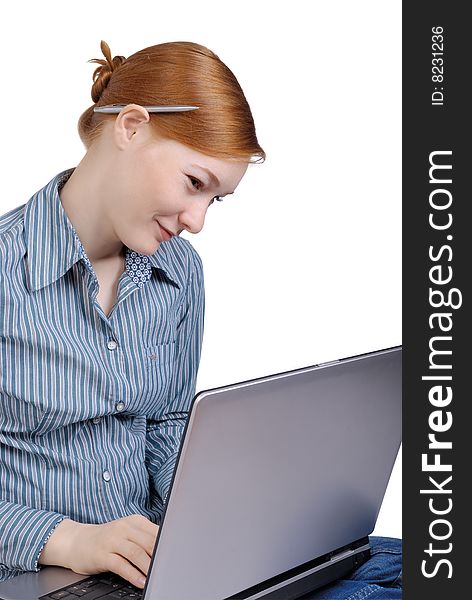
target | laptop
x=278, y=483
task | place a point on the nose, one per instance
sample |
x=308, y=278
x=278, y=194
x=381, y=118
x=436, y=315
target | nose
x=193, y=217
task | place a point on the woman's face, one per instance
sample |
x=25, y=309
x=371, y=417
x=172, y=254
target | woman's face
x=159, y=181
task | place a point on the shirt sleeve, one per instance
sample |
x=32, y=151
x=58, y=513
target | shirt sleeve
x=164, y=433
x=24, y=533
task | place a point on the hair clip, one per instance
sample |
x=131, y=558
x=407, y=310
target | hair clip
x=116, y=108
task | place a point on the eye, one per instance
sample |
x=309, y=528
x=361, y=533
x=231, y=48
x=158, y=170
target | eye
x=197, y=184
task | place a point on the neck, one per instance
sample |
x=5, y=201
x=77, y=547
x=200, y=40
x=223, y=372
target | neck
x=85, y=202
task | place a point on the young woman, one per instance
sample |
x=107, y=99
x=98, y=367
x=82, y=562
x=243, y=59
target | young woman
x=102, y=312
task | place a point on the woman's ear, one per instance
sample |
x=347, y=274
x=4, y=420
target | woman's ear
x=128, y=122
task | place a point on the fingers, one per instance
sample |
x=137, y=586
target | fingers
x=143, y=532
x=135, y=549
x=136, y=555
x=122, y=567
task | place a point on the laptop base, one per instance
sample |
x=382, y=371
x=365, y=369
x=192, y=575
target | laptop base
x=306, y=578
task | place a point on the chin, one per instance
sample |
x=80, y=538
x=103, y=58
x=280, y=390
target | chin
x=147, y=249
x=151, y=249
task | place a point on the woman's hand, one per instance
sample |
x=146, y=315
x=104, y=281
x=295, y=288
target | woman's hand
x=123, y=546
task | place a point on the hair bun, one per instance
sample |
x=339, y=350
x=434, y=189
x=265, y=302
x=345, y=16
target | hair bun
x=102, y=74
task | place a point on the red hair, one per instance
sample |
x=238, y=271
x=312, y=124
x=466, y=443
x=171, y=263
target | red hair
x=177, y=73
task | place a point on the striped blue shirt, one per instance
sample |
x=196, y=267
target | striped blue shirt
x=92, y=407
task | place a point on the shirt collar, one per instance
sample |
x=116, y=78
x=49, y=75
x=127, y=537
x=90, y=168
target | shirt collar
x=53, y=245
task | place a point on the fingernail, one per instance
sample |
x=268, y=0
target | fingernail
x=142, y=581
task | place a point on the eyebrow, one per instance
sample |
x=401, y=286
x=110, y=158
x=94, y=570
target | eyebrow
x=212, y=176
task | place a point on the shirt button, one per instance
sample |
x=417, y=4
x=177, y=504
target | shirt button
x=106, y=475
x=112, y=345
x=96, y=420
x=120, y=406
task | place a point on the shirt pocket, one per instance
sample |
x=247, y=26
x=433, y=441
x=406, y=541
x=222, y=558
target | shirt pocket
x=159, y=355
x=159, y=362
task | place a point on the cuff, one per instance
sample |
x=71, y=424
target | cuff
x=44, y=540
x=24, y=534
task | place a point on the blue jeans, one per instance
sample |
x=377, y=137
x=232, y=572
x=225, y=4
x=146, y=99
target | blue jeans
x=380, y=578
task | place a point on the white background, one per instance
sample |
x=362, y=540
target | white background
x=303, y=263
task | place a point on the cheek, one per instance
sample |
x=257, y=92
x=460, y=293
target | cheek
x=169, y=196
x=160, y=198
x=155, y=191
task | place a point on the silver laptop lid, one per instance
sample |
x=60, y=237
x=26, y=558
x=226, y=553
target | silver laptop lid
x=275, y=472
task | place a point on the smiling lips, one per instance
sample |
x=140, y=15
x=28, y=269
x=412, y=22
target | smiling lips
x=167, y=235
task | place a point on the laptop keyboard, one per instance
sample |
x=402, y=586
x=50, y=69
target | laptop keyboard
x=104, y=585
